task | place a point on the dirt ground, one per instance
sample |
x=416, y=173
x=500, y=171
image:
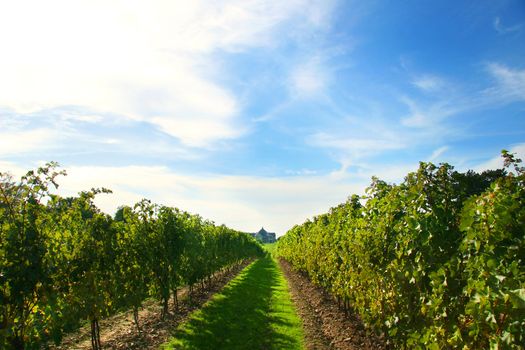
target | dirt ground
x=325, y=326
x=119, y=332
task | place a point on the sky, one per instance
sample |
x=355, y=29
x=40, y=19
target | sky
x=257, y=113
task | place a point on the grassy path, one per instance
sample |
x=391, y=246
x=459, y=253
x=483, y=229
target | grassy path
x=254, y=311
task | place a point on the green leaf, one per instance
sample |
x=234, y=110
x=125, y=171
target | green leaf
x=517, y=298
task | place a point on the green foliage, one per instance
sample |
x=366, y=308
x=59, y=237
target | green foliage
x=493, y=252
x=24, y=272
x=62, y=260
x=435, y=262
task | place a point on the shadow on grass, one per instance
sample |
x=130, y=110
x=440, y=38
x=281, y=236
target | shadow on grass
x=241, y=316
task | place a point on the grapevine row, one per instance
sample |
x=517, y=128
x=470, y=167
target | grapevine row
x=435, y=262
x=62, y=260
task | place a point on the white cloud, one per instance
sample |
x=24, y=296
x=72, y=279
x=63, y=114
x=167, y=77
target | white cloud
x=453, y=99
x=20, y=142
x=510, y=83
x=13, y=169
x=309, y=78
x=497, y=161
x=395, y=173
x=430, y=115
x=242, y=202
x=355, y=144
x=150, y=61
x=500, y=28
x=417, y=117
x=508, y=86
x=301, y=172
x=351, y=151
x=428, y=83
x=87, y=118
x=435, y=156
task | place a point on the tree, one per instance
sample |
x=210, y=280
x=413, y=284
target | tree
x=89, y=247
x=25, y=286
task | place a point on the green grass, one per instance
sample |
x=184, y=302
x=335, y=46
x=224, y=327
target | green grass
x=270, y=247
x=254, y=311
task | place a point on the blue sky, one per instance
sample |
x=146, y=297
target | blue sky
x=257, y=113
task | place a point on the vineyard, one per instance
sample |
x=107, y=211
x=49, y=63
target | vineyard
x=435, y=262
x=63, y=261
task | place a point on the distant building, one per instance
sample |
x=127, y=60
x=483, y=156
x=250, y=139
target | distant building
x=264, y=236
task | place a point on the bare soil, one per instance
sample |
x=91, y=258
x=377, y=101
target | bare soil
x=325, y=325
x=119, y=332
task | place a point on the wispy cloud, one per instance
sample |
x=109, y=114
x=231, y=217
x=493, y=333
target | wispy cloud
x=151, y=62
x=309, y=79
x=496, y=162
x=435, y=156
x=301, y=172
x=67, y=133
x=351, y=149
x=500, y=28
x=429, y=123
x=427, y=115
x=306, y=80
x=355, y=144
x=428, y=83
x=509, y=83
